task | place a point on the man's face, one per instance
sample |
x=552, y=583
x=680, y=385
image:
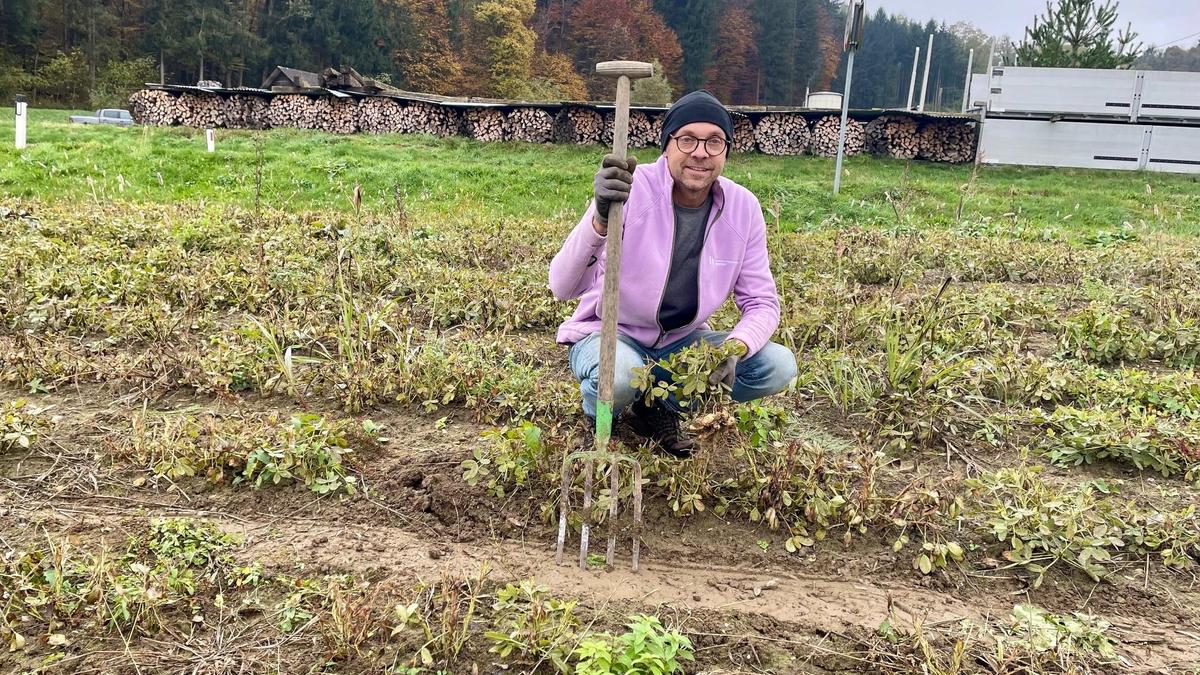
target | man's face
x=695, y=172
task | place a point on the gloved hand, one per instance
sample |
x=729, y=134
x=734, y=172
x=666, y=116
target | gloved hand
x=726, y=372
x=612, y=184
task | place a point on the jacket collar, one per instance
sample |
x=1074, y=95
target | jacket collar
x=664, y=183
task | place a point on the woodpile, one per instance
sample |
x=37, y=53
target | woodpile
x=644, y=129
x=825, y=136
x=782, y=134
x=531, y=125
x=341, y=118
x=579, y=126
x=295, y=111
x=894, y=135
x=947, y=141
x=245, y=112
x=743, y=134
x=484, y=124
x=152, y=107
x=419, y=117
x=201, y=112
x=378, y=115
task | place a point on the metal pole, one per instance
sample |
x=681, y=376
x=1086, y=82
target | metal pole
x=967, y=86
x=925, y=81
x=837, y=175
x=22, y=116
x=912, y=82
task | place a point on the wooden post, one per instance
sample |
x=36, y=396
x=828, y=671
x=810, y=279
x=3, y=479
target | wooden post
x=925, y=80
x=22, y=116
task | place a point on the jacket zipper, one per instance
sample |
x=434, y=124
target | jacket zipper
x=700, y=268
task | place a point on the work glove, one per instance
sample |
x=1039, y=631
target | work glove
x=612, y=184
x=726, y=371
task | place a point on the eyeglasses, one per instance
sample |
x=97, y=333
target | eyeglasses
x=713, y=145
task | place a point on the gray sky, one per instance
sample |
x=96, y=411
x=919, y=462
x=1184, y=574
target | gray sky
x=1155, y=21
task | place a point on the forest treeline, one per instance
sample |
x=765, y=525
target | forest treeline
x=95, y=52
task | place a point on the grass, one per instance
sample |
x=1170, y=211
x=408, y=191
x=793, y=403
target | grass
x=498, y=181
x=1053, y=339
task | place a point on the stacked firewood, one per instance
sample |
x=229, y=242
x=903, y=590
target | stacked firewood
x=152, y=107
x=419, y=117
x=743, y=134
x=580, y=126
x=531, y=125
x=782, y=134
x=378, y=115
x=644, y=129
x=341, y=118
x=484, y=124
x=245, y=112
x=295, y=111
x=893, y=135
x=201, y=112
x=825, y=136
x=947, y=141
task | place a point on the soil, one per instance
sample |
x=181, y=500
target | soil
x=749, y=608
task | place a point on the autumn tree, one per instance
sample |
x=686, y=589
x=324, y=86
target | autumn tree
x=418, y=35
x=510, y=44
x=732, y=76
x=605, y=30
x=1079, y=34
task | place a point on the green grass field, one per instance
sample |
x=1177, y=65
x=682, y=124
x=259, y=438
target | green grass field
x=244, y=428
x=300, y=170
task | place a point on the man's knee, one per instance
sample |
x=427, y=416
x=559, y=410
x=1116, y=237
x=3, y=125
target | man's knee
x=774, y=369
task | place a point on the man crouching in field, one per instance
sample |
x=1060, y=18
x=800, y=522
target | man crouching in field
x=691, y=238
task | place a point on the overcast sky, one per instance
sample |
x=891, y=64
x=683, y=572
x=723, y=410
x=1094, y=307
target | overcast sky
x=1155, y=21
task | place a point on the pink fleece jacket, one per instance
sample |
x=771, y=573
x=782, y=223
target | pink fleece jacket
x=734, y=260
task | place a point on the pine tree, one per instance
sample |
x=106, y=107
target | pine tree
x=696, y=24
x=1078, y=34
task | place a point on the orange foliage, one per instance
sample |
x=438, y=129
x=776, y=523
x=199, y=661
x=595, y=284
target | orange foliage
x=731, y=77
x=605, y=30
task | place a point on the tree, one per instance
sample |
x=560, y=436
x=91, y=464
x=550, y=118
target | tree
x=1171, y=58
x=1078, y=34
x=510, y=45
x=731, y=77
x=604, y=30
x=555, y=79
x=653, y=90
x=419, y=39
x=695, y=23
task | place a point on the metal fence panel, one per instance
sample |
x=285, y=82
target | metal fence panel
x=1063, y=90
x=1171, y=95
x=1085, y=145
x=1175, y=149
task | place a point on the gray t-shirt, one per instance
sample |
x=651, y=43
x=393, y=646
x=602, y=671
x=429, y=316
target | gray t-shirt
x=681, y=297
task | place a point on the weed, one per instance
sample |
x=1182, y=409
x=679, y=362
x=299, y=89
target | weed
x=647, y=648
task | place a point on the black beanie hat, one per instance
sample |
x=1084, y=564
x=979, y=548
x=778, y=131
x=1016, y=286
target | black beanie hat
x=698, y=106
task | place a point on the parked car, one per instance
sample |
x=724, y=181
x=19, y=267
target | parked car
x=115, y=116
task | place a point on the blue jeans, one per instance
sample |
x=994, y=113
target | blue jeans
x=769, y=371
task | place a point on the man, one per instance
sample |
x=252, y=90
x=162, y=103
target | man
x=691, y=238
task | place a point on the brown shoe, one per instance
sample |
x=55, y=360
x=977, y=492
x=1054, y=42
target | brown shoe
x=661, y=425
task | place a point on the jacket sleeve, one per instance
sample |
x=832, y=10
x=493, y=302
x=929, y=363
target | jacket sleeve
x=575, y=268
x=754, y=291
